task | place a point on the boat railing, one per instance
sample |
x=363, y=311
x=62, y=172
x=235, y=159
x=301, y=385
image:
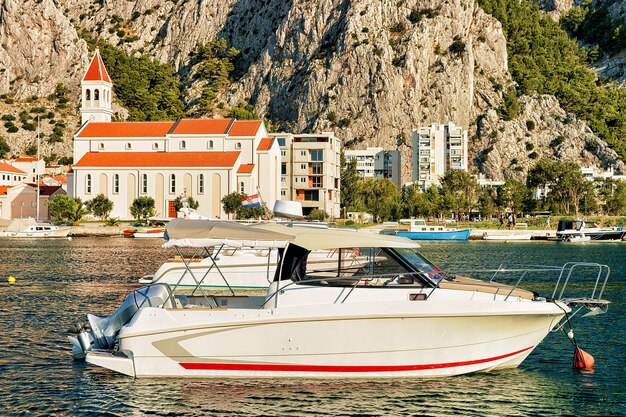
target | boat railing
x=563, y=275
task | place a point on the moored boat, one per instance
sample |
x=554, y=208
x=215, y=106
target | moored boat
x=417, y=229
x=396, y=315
x=30, y=228
x=156, y=233
x=581, y=230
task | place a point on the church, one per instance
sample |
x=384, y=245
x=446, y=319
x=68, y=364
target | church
x=205, y=159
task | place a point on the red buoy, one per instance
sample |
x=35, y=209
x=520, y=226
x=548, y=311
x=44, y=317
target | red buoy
x=582, y=360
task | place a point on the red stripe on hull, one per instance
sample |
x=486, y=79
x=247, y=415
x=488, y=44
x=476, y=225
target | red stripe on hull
x=208, y=366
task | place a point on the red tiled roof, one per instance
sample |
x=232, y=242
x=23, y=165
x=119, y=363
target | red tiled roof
x=45, y=189
x=26, y=159
x=265, y=144
x=62, y=179
x=125, y=129
x=158, y=159
x=97, y=71
x=245, y=169
x=4, y=167
x=4, y=189
x=202, y=126
x=244, y=128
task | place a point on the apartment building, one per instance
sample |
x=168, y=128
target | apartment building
x=310, y=170
x=376, y=163
x=437, y=149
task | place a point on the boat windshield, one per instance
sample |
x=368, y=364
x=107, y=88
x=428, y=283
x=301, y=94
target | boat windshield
x=360, y=266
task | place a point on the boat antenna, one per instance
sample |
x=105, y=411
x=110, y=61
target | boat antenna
x=266, y=211
x=37, y=171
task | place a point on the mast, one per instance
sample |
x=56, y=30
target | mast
x=37, y=171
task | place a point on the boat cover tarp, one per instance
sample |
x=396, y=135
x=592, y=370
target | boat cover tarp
x=206, y=233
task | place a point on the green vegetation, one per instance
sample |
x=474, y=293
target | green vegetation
x=232, y=205
x=244, y=111
x=142, y=208
x=4, y=147
x=100, y=206
x=595, y=25
x=191, y=203
x=542, y=59
x=216, y=65
x=66, y=208
x=149, y=89
x=459, y=195
x=319, y=215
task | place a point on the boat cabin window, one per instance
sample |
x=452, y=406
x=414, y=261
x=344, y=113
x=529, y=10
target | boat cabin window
x=358, y=266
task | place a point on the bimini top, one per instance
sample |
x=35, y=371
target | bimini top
x=205, y=233
x=313, y=238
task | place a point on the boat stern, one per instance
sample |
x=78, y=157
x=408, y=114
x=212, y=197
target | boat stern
x=114, y=360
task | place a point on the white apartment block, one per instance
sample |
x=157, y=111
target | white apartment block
x=437, y=149
x=376, y=163
x=310, y=170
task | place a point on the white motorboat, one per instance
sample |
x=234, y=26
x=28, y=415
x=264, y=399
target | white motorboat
x=507, y=237
x=580, y=230
x=396, y=315
x=30, y=228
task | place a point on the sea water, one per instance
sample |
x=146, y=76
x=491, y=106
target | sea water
x=59, y=281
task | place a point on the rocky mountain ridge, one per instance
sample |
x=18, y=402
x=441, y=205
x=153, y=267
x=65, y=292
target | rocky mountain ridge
x=371, y=72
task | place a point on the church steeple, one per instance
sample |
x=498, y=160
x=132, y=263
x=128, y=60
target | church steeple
x=96, y=92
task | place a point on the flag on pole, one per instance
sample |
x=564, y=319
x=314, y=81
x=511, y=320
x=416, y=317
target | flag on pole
x=251, y=201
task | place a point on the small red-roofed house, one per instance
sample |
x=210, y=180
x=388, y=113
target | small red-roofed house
x=10, y=175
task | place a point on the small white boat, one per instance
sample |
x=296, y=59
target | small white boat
x=30, y=228
x=138, y=233
x=507, y=237
x=396, y=315
x=568, y=230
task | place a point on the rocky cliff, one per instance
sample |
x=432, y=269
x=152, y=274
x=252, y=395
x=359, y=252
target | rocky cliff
x=370, y=71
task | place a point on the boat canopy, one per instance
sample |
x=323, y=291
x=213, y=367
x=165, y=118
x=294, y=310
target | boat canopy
x=204, y=233
x=312, y=238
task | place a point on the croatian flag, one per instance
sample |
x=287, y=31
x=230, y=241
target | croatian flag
x=251, y=201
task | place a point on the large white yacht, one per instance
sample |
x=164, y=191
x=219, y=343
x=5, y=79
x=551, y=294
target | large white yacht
x=396, y=315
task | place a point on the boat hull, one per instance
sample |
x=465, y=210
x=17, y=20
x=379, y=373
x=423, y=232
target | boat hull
x=58, y=233
x=370, y=341
x=593, y=236
x=525, y=236
x=437, y=235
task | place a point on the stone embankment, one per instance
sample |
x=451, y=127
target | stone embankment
x=97, y=230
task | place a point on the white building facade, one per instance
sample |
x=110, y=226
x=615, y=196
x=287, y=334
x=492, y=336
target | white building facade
x=10, y=175
x=437, y=149
x=376, y=163
x=310, y=170
x=200, y=158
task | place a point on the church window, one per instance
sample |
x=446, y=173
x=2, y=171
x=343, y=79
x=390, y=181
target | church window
x=129, y=146
x=116, y=184
x=172, y=184
x=183, y=144
x=241, y=187
x=238, y=145
x=201, y=184
x=88, y=94
x=88, y=184
x=144, y=183
x=96, y=94
x=210, y=145
x=101, y=146
x=155, y=145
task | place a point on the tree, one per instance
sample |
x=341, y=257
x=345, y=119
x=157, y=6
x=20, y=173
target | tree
x=349, y=179
x=4, y=147
x=142, y=208
x=379, y=196
x=512, y=195
x=67, y=208
x=318, y=214
x=460, y=191
x=100, y=206
x=232, y=202
x=191, y=203
x=486, y=202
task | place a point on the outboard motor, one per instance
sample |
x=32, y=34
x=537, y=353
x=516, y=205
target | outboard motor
x=103, y=330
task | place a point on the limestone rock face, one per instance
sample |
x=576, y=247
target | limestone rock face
x=369, y=71
x=542, y=130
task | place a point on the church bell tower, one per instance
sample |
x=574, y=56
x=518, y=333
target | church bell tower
x=96, y=92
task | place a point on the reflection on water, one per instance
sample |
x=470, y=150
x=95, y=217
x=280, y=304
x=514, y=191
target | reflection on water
x=59, y=281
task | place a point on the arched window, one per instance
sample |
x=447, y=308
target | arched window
x=101, y=146
x=238, y=145
x=129, y=146
x=183, y=144
x=172, y=184
x=241, y=187
x=96, y=94
x=210, y=145
x=144, y=183
x=116, y=184
x=88, y=184
x=201, y=184
x=87, y=94
x=155, y=145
